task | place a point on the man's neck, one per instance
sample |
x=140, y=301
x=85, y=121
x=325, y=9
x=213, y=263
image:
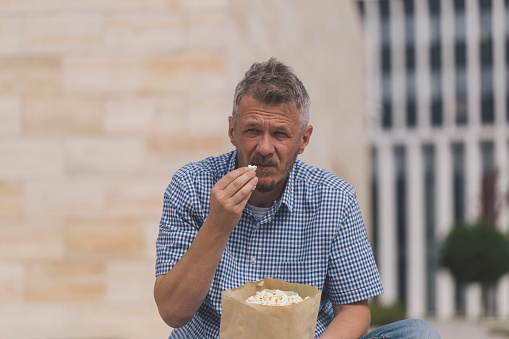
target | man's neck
x=265, y=199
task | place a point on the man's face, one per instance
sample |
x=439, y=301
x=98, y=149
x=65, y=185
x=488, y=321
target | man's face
x=269, y=137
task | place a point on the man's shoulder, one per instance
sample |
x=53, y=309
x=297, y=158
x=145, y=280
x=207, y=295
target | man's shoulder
x=211, y=167
x=193, y=181
x=322, y=179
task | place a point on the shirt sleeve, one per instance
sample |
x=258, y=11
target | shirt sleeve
x=178, y=226
x=352, y=273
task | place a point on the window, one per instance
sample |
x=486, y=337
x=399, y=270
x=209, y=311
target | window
x=435, y=55
x=436, y=113
x=399, y=157
x=374, y=198
x=429, y=208
x=360, y=4
x=459, y=5
x=460, y=54
x=411, y=114
x=460, y=59
x=487, y=81
x=386, y=88
x=434, y=12
x=436, y=99
x=434, y=6
x=409, y=7
x=386, y=115
x=461, y=96
x=489, y=209
x=409, y=21
x=409, y=29
x=486, y=50
x=411, y=87
x=487, y=101
x=507, y=57
x=387, y=100
x=436, y=83
x=410, y=58
x=384, y=22
x=507, y=49
x=485, y=17
x=486, y=56
x=384, y=8
x=386, y=60
x=487, y=110
x=458, y=156
x=507, y=61
x=507, y=106
x=461, y=110
x=459, y=20
x=411, y=109
x=385, y=64
x=488, y=157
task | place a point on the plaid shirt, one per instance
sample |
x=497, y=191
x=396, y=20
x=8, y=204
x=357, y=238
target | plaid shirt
x=313, y=234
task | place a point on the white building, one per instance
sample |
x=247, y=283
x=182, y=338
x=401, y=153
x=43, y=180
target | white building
x=437, y=89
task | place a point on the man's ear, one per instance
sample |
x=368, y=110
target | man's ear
x=231, y=131
x=305, y=138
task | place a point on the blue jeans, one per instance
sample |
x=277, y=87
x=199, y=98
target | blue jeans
x=404, y=329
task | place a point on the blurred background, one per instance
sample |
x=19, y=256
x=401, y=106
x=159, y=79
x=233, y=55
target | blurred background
x=101, y=101
x=437, y=85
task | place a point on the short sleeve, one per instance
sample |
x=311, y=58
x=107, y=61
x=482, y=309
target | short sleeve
x=178, y=226
x=352, y=273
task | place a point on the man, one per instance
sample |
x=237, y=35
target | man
x=224, y=225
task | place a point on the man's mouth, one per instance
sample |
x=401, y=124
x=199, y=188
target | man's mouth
x=262, y=166
x=264, y=162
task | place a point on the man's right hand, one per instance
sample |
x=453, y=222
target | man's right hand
x=229, y=196
x=180, y=292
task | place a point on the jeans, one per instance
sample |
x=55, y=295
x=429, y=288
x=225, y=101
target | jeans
x=404, y=329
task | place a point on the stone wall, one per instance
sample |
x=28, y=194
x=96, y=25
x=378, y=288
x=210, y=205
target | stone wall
x=101, y=101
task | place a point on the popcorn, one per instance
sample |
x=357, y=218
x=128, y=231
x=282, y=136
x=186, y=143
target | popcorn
x=252, y=168
x=296, y=321
x=275, y=298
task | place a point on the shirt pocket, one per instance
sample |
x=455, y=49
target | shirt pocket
x=309, y=272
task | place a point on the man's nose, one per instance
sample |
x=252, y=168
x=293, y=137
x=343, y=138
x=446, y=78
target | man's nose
x=265, y=145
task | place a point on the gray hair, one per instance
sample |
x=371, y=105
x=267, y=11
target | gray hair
x=273, y=83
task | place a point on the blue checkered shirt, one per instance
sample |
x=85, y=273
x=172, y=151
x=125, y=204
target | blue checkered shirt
x=313, y=234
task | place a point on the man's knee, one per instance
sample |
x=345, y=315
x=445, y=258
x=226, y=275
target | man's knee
x=405, y=329
x=418, y=328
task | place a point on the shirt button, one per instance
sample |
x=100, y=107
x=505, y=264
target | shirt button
x=257, y=227
x=253, y=260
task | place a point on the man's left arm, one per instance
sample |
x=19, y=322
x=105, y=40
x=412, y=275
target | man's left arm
x=351, y=321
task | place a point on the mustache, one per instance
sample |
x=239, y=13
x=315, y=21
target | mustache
x=264, y=160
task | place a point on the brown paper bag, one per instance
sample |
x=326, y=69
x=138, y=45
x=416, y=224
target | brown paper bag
x=243, y=320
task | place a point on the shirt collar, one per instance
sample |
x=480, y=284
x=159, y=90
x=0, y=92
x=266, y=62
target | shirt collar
x=231, y=162
x=288, y=194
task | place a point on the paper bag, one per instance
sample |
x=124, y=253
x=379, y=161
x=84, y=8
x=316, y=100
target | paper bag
x=243, y=320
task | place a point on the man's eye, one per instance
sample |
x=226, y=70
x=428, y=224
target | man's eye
x=281, y=134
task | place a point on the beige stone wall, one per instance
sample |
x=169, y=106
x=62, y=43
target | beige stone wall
x=101, y=101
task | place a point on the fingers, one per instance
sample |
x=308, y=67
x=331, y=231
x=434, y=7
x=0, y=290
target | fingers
x=230, y=177
x=229, y=197
x=236, y=186
x=244, y=193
